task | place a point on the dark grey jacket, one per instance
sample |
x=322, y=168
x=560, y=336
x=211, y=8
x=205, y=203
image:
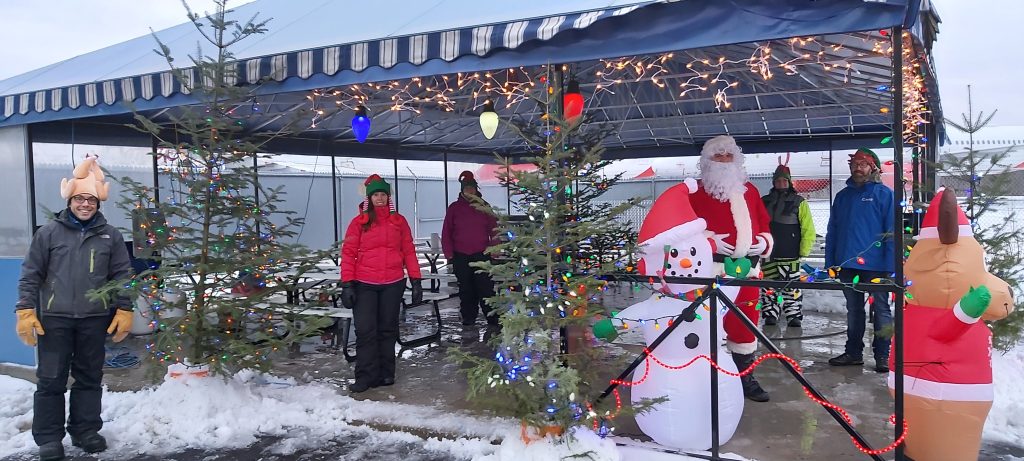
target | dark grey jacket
x=66, y=260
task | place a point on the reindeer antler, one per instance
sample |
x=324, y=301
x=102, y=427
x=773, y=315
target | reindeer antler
x=949, y=228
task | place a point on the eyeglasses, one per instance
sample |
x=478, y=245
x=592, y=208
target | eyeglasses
x=78, y=200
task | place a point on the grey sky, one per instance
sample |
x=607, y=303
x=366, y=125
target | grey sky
x=978, y=43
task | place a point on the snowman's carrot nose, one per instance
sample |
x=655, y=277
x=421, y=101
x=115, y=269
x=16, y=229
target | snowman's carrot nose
x=685, y=263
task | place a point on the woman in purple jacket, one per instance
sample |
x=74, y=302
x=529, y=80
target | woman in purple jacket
x=466, y=234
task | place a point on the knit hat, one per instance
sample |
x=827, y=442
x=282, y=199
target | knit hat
x=87, y=178
x=933, y=218
x=867, y=155
x=376, y=184
x=782, y=171
x=466, y=179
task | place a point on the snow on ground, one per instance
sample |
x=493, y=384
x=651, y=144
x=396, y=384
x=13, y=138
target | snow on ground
x=1004, y=421
x=212, y=414
x=825, y=301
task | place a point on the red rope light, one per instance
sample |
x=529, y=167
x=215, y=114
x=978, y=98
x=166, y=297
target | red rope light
x=842, y=412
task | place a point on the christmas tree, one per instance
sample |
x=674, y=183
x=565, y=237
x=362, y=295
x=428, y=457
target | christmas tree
x=984, y=177
x=220, y=246
x=545, y=370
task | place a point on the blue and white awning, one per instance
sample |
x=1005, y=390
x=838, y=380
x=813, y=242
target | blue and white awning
x=417, y=40
x=446, y=45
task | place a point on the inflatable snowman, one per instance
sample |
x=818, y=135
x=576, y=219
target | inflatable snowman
x=675, y=244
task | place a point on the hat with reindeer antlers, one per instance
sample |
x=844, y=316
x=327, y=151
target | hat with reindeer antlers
x=782, y=171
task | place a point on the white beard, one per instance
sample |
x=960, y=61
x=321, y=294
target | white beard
x=723, y=180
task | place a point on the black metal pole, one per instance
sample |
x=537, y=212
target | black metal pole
x=31, y=167
x=256, y=189
x=508, y=187
x=156, y=170
x=796, y=373
x=334, y=198
x=446, y=199
x=897, y=137
x=713, y=326
x=830, y=179
x=394, y=190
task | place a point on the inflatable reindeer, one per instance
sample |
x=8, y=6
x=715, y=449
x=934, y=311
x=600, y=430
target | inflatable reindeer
x=947, y=347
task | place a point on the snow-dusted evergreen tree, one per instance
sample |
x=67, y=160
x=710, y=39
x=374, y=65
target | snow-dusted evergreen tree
x=222, y=244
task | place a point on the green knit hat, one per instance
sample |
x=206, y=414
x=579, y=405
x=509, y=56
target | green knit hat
x=782, y=171
x=376, y=184
x=866, y=154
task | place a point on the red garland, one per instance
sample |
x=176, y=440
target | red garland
x=807, y=392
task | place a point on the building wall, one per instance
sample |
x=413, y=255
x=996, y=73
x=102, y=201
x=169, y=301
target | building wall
x=15, y=234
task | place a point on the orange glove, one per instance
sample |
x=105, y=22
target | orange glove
x=121, y=325
x=28, y=326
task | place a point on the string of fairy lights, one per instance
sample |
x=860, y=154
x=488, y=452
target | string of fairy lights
x=657, y=284
x=717, y=78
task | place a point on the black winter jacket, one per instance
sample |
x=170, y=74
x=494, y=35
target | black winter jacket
x=66, y=260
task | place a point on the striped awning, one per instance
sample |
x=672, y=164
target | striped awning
x=386, y=53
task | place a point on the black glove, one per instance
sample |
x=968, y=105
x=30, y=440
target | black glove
x=417, y=290
x=348, y=295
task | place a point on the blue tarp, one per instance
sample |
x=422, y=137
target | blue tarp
x=315, y=44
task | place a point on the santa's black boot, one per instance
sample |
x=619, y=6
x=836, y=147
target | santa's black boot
x=751, y=388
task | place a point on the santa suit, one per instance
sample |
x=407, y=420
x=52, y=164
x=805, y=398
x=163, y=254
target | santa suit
x=744, y=218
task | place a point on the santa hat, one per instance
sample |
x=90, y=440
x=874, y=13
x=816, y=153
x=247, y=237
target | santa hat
x=782, y=171
x=466, y=179
x=721, y=144
x=933, y=218
x=87, y=178
x=671, y=217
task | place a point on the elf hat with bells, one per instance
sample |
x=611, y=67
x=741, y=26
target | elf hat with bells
x=373, y=184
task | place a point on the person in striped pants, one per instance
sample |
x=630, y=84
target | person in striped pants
x=793, y=232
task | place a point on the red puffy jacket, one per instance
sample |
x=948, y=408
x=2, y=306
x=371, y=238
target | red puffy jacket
x=379, y=254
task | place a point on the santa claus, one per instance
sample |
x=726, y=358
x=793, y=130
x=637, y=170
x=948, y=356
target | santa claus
x=737, y=223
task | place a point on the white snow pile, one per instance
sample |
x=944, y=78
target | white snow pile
x=1004, y=422
x=214, y=414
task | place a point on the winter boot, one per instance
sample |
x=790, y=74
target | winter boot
x=90, y=442
x=51, y=451
x=751, y=388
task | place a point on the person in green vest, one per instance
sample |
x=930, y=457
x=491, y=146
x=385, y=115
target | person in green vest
x=793, y=232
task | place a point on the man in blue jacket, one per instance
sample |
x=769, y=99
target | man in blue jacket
x=859, y=245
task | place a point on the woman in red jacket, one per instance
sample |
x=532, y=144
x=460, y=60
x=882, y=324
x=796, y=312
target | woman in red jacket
x=375, y=256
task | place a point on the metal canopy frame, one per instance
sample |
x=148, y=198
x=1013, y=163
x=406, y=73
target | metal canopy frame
x=838, y=98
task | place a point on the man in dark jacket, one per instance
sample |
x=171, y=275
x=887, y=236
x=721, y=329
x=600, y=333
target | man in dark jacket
x=76, y=252
x=793, y=232
x=859, y=245
x=466, y=234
